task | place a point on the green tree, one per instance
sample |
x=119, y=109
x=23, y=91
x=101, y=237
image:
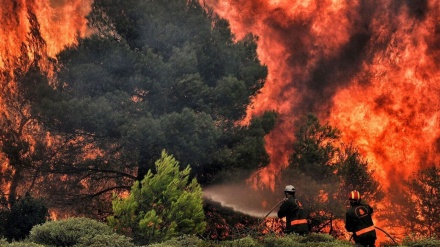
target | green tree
x=163, y=205
x=314, y=148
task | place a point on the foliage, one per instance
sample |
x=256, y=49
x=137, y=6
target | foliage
x=303, y=241
x=425, y=190
x=266, y=241
x=244, y=242
x=269, y=240
x=181, y=241
x=354, y=174
x=324, y=171
x=68, y=232
x=23, y=215
x=424, y=242
x=4, y=243
x=161, y=206
x=314, y=149
x=112, y=240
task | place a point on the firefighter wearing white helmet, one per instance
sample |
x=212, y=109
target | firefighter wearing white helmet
x=296, y=218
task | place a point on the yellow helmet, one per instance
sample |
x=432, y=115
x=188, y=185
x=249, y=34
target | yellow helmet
x=354, y=196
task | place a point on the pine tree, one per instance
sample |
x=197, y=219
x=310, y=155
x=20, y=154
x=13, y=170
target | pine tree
x=163, y=205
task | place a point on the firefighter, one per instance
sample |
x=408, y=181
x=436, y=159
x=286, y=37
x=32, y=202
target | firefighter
x=296, y=218
x=358, y=221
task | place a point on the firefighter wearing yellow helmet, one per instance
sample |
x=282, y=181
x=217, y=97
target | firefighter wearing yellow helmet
x=358, y=221
x=296, y=218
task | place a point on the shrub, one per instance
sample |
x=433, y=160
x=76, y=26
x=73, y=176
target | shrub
x=113, y=240
x=312, y=240
x=23, y=215
x=427, y=242
x=182, y=241
x=316, y=237
x=5, y=243
x=67, y=232
x=243, y=242
x=288, y=241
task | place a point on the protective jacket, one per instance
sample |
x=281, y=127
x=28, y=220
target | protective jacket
x=296, y=218
x=358, y=221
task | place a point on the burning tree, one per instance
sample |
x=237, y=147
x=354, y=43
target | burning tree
x=424, y=189
x=146, y=80
x=23, y=142
x=415, y=208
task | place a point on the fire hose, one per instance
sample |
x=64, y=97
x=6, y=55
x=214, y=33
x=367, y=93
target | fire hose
x=386, y=233
x=382, y=230
x=276, y=205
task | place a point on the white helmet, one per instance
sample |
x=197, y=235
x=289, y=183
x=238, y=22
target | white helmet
x=290, y=189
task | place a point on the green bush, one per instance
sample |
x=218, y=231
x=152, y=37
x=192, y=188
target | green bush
x=182, y=241
x=113, y=240
x=243, y=242
x=427, y=242
x=312, y=240
x=67, y=232
x=291, y=240
x=5, y=243
x=315, y=237
x=287, y=241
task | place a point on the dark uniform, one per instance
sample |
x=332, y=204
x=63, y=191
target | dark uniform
x=296, y=218
x=358, y=221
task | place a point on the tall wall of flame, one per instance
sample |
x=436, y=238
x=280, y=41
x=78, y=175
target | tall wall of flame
x=61, y=21
x=370, y=68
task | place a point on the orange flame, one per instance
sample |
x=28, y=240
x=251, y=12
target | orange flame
x=60, y=23
x=369, y=68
